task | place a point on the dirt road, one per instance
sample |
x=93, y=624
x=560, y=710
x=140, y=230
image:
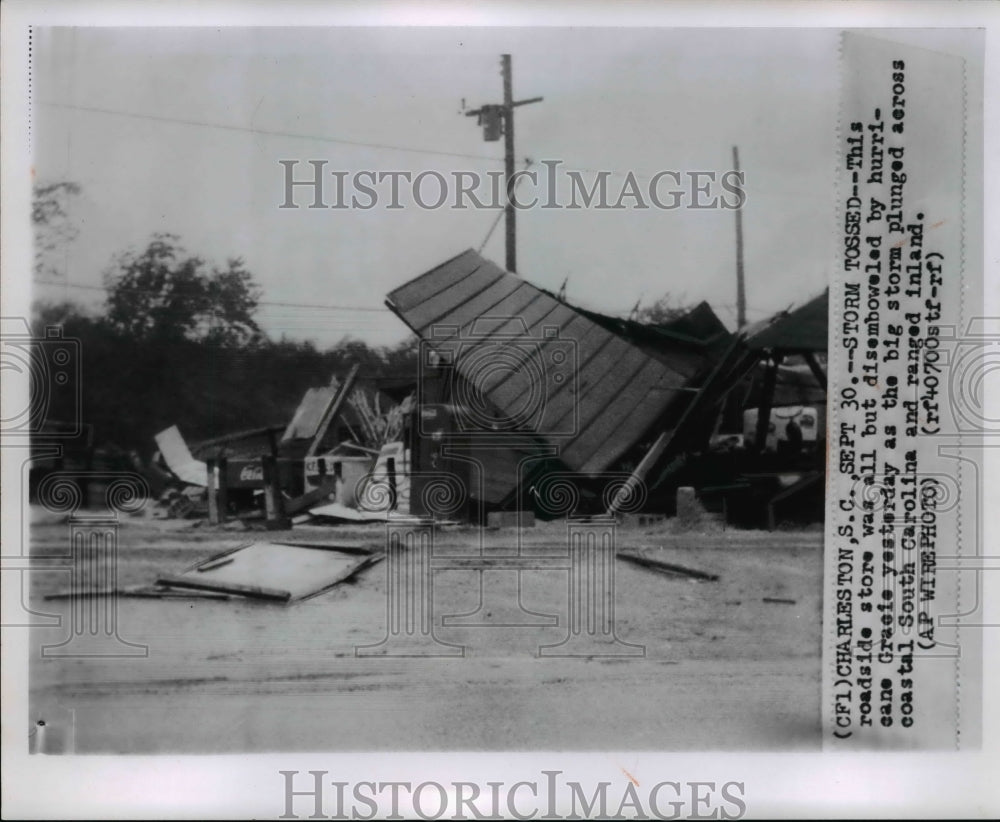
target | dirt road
x=722, y=670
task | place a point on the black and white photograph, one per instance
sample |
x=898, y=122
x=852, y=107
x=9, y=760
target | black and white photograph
x=459, y=390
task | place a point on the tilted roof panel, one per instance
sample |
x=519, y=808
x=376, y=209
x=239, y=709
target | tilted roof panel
x=598, y=392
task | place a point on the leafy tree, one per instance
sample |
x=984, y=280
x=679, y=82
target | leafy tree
x=50, y=207
x=177, y=343
x=65, y=314
x=164, y=294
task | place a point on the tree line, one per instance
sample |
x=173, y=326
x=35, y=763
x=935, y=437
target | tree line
x=211, y=383
x=176, y=341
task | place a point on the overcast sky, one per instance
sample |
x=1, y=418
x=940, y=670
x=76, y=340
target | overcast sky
x=622, y=100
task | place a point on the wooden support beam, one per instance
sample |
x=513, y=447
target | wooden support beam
x=273, y=502
x=639, y=474
x=222, y=489
x=343, y=391
x=326, y=487
x=390, y=470
x=816, y=369
x=766, y=400
x=213, y=491
x=728, y=370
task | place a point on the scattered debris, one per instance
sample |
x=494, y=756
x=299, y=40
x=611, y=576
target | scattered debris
x=687, y=417
x=780, y=601
x=183, y=503
x=178, y=457
x=335, y=510
x=667, y=567
x=139, y=591
x=317, y=495
x=344, y=549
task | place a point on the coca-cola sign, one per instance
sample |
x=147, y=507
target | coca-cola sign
x=250, y=473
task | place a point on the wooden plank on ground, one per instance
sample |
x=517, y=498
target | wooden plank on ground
x=311, y=498
x=669, y=568
x=224, y=587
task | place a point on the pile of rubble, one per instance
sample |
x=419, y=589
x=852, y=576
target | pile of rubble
x=524, y=403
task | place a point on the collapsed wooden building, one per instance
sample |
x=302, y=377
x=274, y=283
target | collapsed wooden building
x=523, y=402
x=518, y=390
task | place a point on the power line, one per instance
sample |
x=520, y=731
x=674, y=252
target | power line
x=638, y=175
x=86, y=287
x=271, y=133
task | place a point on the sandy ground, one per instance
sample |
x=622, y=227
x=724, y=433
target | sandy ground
x=722, y=670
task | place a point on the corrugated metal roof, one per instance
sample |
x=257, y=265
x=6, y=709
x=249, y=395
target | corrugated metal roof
x=470, y=305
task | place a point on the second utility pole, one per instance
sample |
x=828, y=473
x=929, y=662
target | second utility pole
x=741, y=288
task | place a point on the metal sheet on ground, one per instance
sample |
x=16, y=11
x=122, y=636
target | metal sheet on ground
x=273, y=566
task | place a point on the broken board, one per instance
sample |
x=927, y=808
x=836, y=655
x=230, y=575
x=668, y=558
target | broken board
x=271, y=570
x=177, y=455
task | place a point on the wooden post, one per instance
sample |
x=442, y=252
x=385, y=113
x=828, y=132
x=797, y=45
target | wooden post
x=275, y=519
x=741, y=291
x=342, y=393
x=766, y=401
x=213, y=491
x=390, y=470
x=222, y=490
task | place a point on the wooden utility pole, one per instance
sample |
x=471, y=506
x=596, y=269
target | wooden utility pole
x=490, y=117
x=741, y=291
